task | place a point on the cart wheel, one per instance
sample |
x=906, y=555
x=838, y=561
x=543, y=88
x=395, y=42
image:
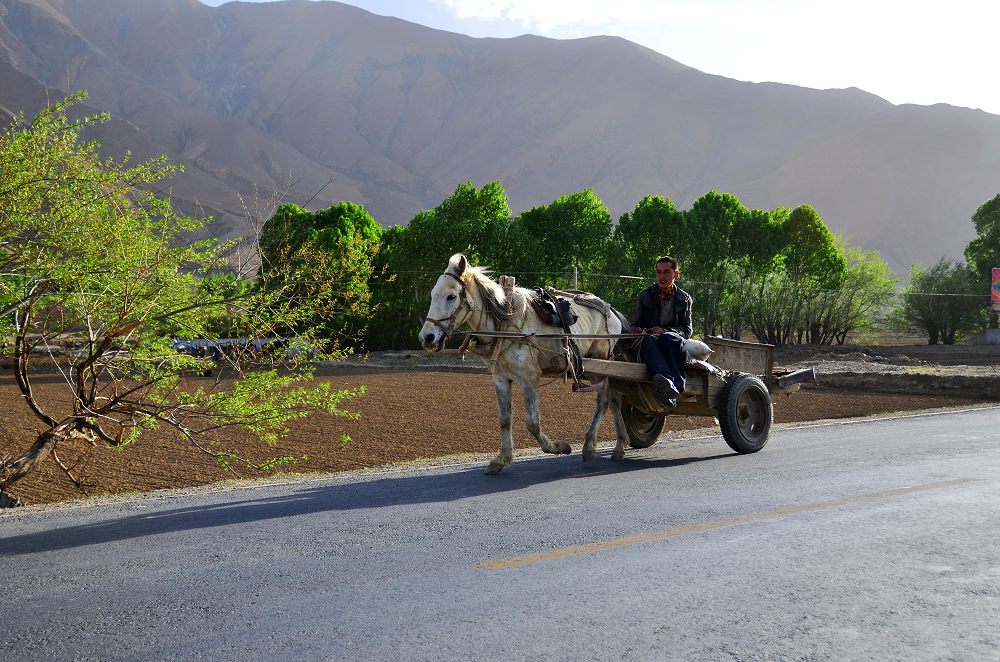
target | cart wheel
x=643, y=429
x=745, y=414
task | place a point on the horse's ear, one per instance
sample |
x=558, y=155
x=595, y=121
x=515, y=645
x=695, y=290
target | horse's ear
x=463, y=264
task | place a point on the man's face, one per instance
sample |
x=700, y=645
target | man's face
x=665, y=275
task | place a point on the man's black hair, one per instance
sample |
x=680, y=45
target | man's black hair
x=667, y=258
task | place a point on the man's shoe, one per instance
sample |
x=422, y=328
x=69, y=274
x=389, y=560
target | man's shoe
x=664, y=400
x=664, y=386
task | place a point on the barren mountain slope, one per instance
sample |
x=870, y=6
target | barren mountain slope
x=257, y=93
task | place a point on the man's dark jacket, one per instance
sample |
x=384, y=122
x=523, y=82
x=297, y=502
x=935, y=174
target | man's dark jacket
x=647, y=310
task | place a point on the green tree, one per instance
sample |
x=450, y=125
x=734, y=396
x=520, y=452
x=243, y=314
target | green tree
x=983, y=253
x=724, y=249
x=706, y=243
x=768, y=308
x=548, y=241
x=944, y=301
x=814, y=264
x=811, y=250
x=803, y=299
x=863, y=296
x=470, y=221
x=757, y=239
x=88, y=251
x=325, y=258
x=398, y=294
x=705, y=252
x=642, y=235
x=227, y=285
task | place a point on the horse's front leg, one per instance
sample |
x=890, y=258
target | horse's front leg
x=506, y=456
x=532, y=417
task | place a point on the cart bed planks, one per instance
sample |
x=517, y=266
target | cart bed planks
x=734, y=386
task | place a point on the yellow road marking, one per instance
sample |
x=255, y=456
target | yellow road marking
x=613, y=543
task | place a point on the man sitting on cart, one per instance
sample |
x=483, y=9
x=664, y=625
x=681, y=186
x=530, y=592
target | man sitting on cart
x=663, y=311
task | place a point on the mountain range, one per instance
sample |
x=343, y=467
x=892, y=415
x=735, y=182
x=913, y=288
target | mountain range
x=257, y=96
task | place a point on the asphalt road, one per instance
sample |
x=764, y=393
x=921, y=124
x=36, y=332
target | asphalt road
x=870, y=540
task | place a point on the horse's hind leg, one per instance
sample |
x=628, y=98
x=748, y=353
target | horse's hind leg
x=616, y=412
x=590, y=441
x=506, y=455
x=532, y=417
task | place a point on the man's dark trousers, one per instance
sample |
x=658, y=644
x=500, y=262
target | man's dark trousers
x=663, y=355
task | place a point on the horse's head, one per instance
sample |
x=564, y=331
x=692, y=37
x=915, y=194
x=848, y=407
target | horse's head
x=449, y=306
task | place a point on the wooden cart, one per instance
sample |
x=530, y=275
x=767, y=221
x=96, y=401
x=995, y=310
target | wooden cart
x=734, y=386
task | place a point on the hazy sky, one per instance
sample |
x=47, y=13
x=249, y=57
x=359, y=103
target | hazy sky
x=906, y=51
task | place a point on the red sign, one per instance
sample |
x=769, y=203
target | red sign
x=995, y=291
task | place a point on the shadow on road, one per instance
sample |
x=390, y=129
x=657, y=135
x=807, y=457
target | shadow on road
x=380, y=492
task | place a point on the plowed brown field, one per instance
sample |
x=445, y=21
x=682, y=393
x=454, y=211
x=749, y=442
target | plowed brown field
x=404, y=416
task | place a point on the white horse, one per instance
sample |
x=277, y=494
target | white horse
x=465, y=294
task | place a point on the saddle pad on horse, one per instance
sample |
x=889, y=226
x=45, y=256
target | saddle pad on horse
x=551, y=309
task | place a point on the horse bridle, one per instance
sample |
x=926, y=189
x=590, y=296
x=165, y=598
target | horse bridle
x=440, y=323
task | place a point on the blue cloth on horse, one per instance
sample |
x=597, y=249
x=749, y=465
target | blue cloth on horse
x=663, y=354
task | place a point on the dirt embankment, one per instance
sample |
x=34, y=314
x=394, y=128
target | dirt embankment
x=420, y=406
x=959, y=370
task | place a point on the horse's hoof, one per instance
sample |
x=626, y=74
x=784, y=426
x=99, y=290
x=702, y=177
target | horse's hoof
x=618, y=456
x=565, y=448
x=495, y=467
x=588, y=456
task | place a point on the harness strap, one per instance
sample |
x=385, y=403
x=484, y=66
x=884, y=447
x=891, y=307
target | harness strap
x=575, y=336
x=574, y=361
x=570, y=350
x=438, y=322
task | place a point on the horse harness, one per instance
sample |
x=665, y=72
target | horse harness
x=557, y=311
x=452, y=328
x=550, y=308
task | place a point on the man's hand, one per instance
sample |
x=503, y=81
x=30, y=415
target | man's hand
x=655, y=329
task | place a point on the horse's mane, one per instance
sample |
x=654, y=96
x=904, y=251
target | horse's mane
x=493, y=295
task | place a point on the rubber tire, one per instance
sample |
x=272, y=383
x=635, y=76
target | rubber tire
x=643, y=429
x=745, y=413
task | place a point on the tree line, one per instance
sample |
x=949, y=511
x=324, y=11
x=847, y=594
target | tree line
x=778, y=276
